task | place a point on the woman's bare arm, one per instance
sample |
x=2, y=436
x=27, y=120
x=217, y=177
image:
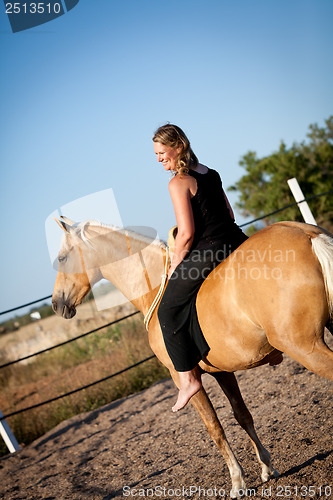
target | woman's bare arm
x=179, y=189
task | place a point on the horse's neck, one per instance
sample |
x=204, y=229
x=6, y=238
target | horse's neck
x=133, y=265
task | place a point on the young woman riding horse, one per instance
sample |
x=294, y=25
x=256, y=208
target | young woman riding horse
x=207, y=234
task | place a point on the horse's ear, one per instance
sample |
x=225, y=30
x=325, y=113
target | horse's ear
x=65, y=227
x=68, y=221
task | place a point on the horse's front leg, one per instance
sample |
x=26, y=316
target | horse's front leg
x=229, y=385
x=204, y=407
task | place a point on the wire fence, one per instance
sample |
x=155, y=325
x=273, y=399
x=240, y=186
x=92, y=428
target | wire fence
x=25, y=305
x=76, y=390
x=68, y=341
x=110, y=324
x=42, y=403
x=285, y=208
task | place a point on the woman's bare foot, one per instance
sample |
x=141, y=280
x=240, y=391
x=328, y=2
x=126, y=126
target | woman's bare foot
x=189, y=385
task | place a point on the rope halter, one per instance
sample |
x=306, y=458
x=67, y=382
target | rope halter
x=160, y=291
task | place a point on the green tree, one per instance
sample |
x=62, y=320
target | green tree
x=264, y=189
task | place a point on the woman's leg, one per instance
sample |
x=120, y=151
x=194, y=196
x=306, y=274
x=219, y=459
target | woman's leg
x=176, y=316
x=189, y=384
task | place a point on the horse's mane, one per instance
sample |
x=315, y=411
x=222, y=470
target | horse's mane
x=81, y=230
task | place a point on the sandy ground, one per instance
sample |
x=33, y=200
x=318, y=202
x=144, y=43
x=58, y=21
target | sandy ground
x=136, y=447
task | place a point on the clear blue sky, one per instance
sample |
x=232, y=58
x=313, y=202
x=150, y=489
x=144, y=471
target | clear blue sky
x=82, y=95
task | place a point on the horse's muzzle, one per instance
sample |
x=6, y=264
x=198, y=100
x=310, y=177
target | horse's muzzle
x=63, y=309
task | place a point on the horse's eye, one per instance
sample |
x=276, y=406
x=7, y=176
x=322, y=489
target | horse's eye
x=62, y=258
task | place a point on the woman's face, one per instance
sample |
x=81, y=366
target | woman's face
x=167, y=155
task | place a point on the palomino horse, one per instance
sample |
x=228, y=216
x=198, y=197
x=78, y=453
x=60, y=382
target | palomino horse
x=274, y=294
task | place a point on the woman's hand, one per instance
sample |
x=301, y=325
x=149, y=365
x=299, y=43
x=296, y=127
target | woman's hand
x=171, y=270
x=176, y=260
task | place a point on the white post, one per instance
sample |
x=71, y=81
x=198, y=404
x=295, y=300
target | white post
x=303, y=206
x=8, y=436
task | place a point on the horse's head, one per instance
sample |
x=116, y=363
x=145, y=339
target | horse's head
x=75, y=278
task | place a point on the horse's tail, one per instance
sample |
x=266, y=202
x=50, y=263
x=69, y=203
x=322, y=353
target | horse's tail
x=322, y=246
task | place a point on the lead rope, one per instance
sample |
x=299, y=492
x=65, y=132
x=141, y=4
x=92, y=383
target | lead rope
x=159, y=293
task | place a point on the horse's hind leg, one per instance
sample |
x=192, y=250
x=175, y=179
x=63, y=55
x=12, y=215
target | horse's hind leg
x=317, y=358
x=204, y=407
x=304, y=343
x=229, y=385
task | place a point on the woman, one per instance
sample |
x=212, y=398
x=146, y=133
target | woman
x=207, y=234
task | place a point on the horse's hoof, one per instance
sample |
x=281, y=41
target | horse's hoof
x=239, y=491
x=266, y=476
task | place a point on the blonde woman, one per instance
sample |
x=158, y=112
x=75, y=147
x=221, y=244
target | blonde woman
x=207, y=234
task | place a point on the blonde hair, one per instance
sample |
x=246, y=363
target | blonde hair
x=173, y=136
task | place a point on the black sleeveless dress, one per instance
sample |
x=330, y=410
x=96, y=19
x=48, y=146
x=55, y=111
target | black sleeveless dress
x=216, y=236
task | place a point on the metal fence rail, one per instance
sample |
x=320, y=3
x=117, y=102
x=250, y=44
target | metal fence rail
x=25, y=305
x=285, y=208
x=67, y=341
x=76, y=390
x=6, y=431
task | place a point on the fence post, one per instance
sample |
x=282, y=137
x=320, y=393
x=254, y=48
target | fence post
x=8, y=436
x=303, y=206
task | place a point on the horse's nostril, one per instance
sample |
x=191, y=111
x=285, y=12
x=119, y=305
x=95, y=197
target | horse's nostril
x=54, y=306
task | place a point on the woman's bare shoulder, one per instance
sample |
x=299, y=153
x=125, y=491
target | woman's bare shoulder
x=180, y=181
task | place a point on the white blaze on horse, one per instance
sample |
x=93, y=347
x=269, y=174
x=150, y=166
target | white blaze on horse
x=273, y=295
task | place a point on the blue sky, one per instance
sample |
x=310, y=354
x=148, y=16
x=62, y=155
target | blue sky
x=82, y=95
